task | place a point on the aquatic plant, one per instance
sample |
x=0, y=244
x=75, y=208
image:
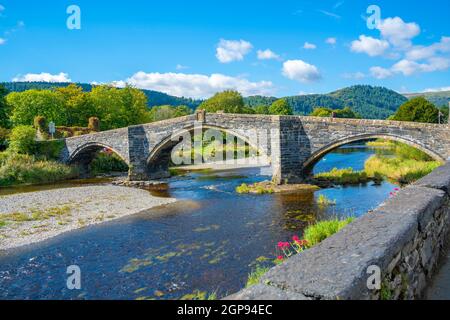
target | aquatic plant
x=324, y=202
x=255, y=276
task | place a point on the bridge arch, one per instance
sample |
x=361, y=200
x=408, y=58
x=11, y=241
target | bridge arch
x=159, y=157
x=316, y=156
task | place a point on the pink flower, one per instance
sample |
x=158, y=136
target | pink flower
x=295, y=238
x=286, y=244
x=397, y=189
x=280, y=244
x=280, y=257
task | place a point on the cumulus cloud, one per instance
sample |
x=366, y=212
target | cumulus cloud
x=309, y=46
x=331, y=41
x=371, y=46
x=44, y=76
x=425, y=52
x=196, y=85
x=181, y=67
x=398, y=32
x=301, y=71
x=232, y=50
x=267, y=55
x=380, y=73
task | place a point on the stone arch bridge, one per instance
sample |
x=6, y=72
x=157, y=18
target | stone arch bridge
x=292, y=143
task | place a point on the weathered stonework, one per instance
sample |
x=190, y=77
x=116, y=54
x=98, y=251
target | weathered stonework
x=293, y=143
x=403, y=237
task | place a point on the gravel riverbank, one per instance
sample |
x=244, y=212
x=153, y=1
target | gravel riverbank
x=31, y=217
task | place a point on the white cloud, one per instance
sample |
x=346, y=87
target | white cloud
x=380, y=73
x=2, y=41
x=330, y=14
x=425, y=52
x=331, y=41
x=408, y=67
x=300, y=71
x=196, y=85
x=232, y=50
x=45, y=77
x=371, y=46
x=398, y=32
x=267, y=55
x=356, y=75
x=437, y=89
x=309, y=46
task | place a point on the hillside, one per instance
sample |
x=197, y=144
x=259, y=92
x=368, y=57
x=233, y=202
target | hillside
x=155, y=98
x=440, y=99
x=370, y=102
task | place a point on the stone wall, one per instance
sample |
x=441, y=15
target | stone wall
x=403, y=238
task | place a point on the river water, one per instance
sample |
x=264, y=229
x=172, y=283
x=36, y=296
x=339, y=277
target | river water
x=209, y=241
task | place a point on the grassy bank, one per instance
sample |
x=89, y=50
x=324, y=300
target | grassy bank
x=342, y=176
x=403, y=171
x=16, y=169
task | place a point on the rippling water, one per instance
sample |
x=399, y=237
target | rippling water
x=208, y=241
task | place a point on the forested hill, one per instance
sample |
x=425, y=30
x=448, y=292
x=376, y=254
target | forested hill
x=155, y=98
x=370, y=102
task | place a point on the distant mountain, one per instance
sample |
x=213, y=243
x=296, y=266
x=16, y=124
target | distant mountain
x=370, y=102
x=155, y=98
x=439, y=98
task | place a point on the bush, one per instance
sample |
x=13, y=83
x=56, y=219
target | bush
x=25, y=169
x=106, y=162
x=4, y=137
x=343, y=176
x=22, y=140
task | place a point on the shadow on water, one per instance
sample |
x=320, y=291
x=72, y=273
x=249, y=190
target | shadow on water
x=209, y=241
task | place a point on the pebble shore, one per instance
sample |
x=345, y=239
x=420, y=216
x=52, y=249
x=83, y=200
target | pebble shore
x=32, y=217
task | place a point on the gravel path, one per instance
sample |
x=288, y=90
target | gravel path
x=31, y=217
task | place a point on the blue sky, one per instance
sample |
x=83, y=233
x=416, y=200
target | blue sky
x=195, y=48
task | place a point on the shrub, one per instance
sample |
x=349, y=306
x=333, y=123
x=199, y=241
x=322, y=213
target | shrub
x=26, y=169
x=22, y=140
x=343, y=176
x=4, y=137
x=106, y=162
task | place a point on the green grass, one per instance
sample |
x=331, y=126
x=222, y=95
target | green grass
x=255, y=276
x=18, y=169
x=258, y=188
x=400, y=170
x=343, y=176
x=106, y=163
x=34, y=215
x=319, y=231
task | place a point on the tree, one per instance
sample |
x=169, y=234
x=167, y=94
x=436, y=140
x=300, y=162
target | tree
x=167, y=112
x=31, y=103
x=280, y=107
x=228, y=101
x=262, y=109
x=337, y=113
x=4, y=110
x=78, y=106
x=117, y=108
x=22, y=139
x=417, y=110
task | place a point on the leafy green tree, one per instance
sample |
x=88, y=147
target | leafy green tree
x=417, y=110
x=444, y=112
x=262, y=109
x=228, y=101
x=117, y=108
x=31, y=103
x=22, y=140
x=79, y=107
x=168, y=112
x=337, y=113
x=4, y=110
x=280, y=107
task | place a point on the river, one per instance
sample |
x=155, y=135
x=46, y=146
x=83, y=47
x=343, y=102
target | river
x=209, y=241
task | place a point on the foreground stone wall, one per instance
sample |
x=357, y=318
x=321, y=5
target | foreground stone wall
x=403, y=237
